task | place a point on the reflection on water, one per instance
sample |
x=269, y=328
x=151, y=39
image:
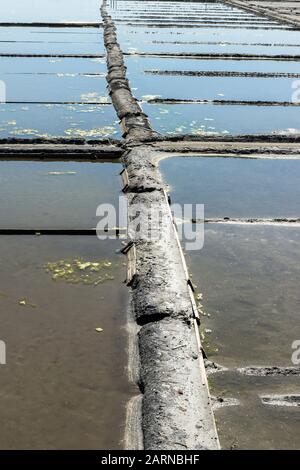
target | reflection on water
x=209, y=40
x=210, y=88
x=57, y=88
x=250, y=283
x=235, y=187
x=50, y=10
x=55, y=65
x=64, y=385
x=56, y=120
x=42, y=40
x=203, y=118
x=138, y=65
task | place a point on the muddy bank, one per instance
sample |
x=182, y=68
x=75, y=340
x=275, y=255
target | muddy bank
x=50, y=25
x=191, y=55
x=222, y=102
x=175, y=412
x=64, y=385
x=134, y=121
x=188, y=73
x=276, y=10
x=251, y=221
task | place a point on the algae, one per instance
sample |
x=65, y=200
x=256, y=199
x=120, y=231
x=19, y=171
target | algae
x=80, y=271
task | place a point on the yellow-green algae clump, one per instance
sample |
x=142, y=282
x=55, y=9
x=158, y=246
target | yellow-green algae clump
x=80, y=271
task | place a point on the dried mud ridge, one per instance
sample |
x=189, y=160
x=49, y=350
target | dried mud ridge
x=226, y=43
x=271, y=371
x=222, y=102
x=176, y=410
x=61, y=56
x=251, y=221
x=277, y=10
x=228, y=56
x=198, y=26
x=282, y=146
x=281, y=400
x=60, y=149
x=253, y=371
x=36, y=24
x=205, y=73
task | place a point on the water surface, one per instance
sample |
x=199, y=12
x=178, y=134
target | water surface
x=63, y=195
x=64, y=385
x=232, y=187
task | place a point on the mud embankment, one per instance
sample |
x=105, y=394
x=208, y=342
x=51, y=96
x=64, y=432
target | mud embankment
x=176, y=411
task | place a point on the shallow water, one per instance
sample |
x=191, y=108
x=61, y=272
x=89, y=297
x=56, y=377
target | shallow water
x=252, y=425
x=198, y=45
x=42, y=40
x=138, y=65
x=50, y=10
x=210, y=34
x=64, y=385
x=232, y=187
x=186, y=118
x=55, y=80
x=56, y=88
x=249, y=277
x=56, y=120
x=62, y=195
x=56, y=46
x=213, y=88
x=16, y=39
x=227, y=119
x=55, y=65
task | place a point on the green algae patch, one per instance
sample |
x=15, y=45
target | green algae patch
x=105, y=131
x=80, y=271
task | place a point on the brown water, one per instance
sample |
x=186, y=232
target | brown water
x=64, y=385
x=252, y=425
x=250, y=283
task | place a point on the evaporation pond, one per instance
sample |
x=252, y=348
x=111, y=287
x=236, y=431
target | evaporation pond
x=249, y=277
x=63, y=315
x=62, y=195
x=235, y=187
